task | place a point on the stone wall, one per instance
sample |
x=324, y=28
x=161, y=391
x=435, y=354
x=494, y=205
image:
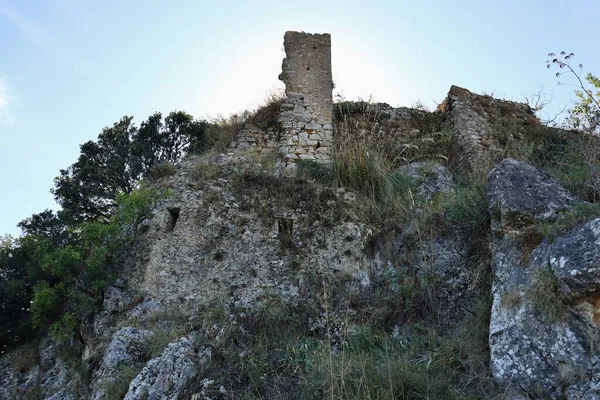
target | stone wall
x=485, y=126
x=255, y=139
x=305, y=118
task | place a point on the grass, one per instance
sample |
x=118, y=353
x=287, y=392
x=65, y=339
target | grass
x=352, y=353
x=161, y=338
x=579, y=214
x=417, y=363
x=225, y=130
x=205, y=169
x=572, y=158
x=117, y=389
x=546, y=296
x=511, y=300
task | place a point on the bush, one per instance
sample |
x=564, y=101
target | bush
x=162, y=170
x=46, y=304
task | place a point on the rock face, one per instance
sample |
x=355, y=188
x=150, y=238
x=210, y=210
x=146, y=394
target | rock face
x=575, y=260
x=165, y=377
x=520, y=195
x=535, y=341
x=430, y=178
x=38, y=370
x=18, y=380
x=233, y=241
x=127, y=346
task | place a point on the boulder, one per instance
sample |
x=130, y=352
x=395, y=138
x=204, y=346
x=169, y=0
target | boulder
x=575, y=260
x=531, y=348
x=166, y=376
x=127, y=346
x=520, y=195
x=430, y=178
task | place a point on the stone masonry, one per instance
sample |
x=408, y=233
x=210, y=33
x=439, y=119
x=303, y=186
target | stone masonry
x=305, y=117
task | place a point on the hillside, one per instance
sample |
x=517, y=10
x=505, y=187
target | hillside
x=347, y=251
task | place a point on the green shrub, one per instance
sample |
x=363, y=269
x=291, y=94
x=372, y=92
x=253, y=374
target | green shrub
x=65, y=328
x=204, y=169
x=321, y=172
x=162, y=170
x=46, y=303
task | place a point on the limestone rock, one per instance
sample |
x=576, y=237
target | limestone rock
x=55, y=373
x=430, y=178
x=19, y=373
x=575, y=260
x=164, y=377
x=116, y=300
x=529, y=349
x=520, y=195
x=128, y=345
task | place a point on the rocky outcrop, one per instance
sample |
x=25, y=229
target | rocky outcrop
x=520, y=195
x=40, y=370
x=20, y=373
x=166, y=376
x=575, y=260
x=233, y=240
x=234, y=235
x=537, y=340
x=429, y=178
x=127, y=346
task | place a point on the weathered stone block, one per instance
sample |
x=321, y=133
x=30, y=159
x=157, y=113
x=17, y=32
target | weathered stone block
x=312, y=126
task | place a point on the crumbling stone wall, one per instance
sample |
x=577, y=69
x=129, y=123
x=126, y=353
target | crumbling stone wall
x=305, y=118
x=252, y=138
x=485, y=126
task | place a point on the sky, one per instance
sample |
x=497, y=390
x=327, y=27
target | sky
x=68, y=68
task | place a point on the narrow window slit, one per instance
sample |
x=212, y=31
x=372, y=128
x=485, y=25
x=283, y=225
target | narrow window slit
x=286, y=233
x=173, y=217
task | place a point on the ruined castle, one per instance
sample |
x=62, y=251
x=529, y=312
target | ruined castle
x=304, y=128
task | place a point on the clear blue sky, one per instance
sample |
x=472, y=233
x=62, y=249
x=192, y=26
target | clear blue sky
x=68, y=68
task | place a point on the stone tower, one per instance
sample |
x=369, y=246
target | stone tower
x=305, y=117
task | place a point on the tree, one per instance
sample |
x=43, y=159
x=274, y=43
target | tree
x=182, y=131
x=48, y=224
x=17, y=276
x=159, y=142
x=120, y=158
x=87, y=189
